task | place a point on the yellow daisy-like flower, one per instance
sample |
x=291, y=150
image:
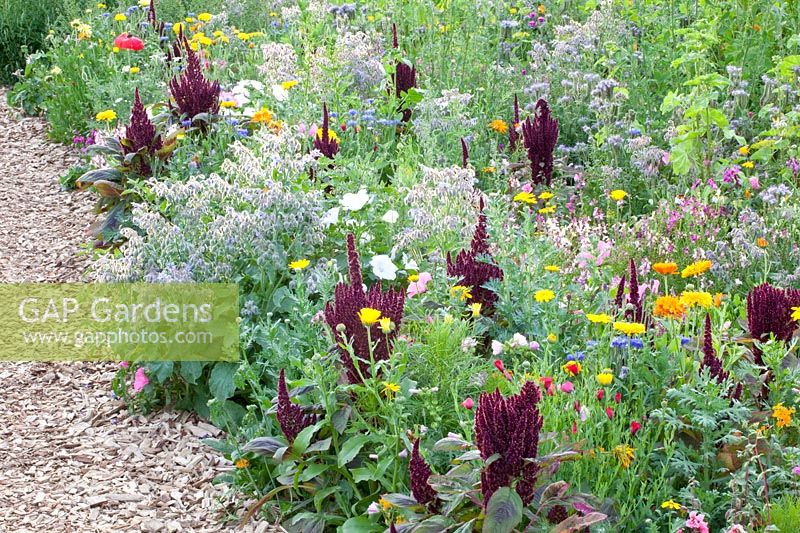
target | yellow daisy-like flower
x=552, y=337
x=782, y=415
x=600, y=318
x=544, y=295
x=120, y=17
x=630, y=328
x=331, y=135
x=553, y=268
x=386, y=324
x=179, y=27
x=262, y=116
x=106, y=116
x=761, y=242
x=300, y=264
x=288, y=84
x=605, y=377
x=204, y=17
x=547, y=210
x=476, y=309
x=546, y=195
x=694, y=298
x=541, y=9
x=228, y=104
x=744, y=150
x=669, y=307
x=461, y=292
x=500, y=126
x=525, y=197
x=135, y=70
x=796, y=313
x=665, y=269
x=670, y=504
x=697, y=268
x=618, y=195
x=390, y=389
x=241, y=463
x=749, y=164
x=488, y=170
x=368, y=316
x=624, y=455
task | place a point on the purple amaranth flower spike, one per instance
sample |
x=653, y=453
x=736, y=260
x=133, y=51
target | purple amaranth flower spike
x=714, y=364
x=419, y=472
x=539, y=137
x=618, y=299
x=192, y=93
x=404, y=77
x=509, y=427
x=513, y=135
x=636, y=312
x=769, y=311
x=140, y=134
x=464, y=153
x=325, y=140
x=291, y=417
x=474, y=273
x=341, y=315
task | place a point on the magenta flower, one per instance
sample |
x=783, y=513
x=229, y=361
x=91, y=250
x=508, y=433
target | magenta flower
x=140, y=380
x=325, y=140
x=796, y=470
x=567, y=387
x=769, y=311
x=697, y=521
x=420, y=286
x=469, y=403
x=140, y=138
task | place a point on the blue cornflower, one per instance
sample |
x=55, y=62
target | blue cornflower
x=242, y=132
x=685, y=340
x=186, y=123
x=352, y=123
x=636, y=343
x=333, y=114
x=635, y=132
x=619, y=342
x=352, y=112
x=591, y=344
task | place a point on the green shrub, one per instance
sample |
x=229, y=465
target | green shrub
x=23, y=26
x=786, y=514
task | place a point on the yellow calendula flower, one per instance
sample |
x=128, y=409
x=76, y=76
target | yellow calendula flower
x=546, y=195
x=120, y=17
x=228, y=104
x=669, y=307
x=544, y=295
x=552, y=337
x=547, y=210
x=179, y=27
x=385, y=504
x=618, y=195
x=524, y=197
x=749, y=164
x=300, y=264
x=262, y=116
x=331, y=135
x=744, y=150
x=796, y=313
x=605, y=377
x=243, y=36
x=204, y=17
x=390, y=389
x=106, y=116
x=630, y=328
x=665, y=269
x=552, y=268
x=488, y=170
x=461, y=292
x=697, y=298
x=761, y=242
x=386, y=324
x=697, y=268
x=500, y=126
x=135, y=70
x=624, y=455
x=288, y=84
x=541, y=9
x=413, y=277
x=670, y=504
x=476, y=309
x=600, y=318
x=368, y=316
x=241, y=463
x=782, y=415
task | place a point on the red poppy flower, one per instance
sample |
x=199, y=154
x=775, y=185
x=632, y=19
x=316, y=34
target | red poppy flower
x=609, y=413
x=618, y=397
x=600, y=394
x=635, y=426
x=128, y=42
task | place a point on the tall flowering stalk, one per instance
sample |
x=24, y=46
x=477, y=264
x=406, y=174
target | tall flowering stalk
x=714, y=364
x=404, y=77
x=326, y=140
x=191, y=92
x=291, y=417
x=343, y=317
x=635, y=311
x=509, y=427
x=473, y=272
x=539, y=137
x=620, y=297
x=513, y=135
x=769, y=311
x=464, y=153
x=419, y=472
x=140, y=135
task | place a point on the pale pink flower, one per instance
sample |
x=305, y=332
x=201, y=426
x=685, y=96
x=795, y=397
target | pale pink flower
x=736, y=528
x=697, y=521
x=419, y=286
x=754, y=184
x=140, y=380
x=497, y=347
x=567, y=387
x=374, y=508
x=533, y=345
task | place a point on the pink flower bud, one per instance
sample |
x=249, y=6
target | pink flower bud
x=468, y=403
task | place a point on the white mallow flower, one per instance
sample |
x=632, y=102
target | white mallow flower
x=518, y=341
x=330, y=217
x=355, y=201
x=383, y=267
x=391, y=216
x=497, y=347
x=409, y=264
x=280, y=93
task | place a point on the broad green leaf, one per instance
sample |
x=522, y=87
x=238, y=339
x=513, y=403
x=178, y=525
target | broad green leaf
x=221, y=380
x=351, y=448
x=360, y=524
x=504, y=511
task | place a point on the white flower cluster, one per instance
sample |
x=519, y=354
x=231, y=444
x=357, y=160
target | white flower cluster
x=280, y=63
x=360, y=55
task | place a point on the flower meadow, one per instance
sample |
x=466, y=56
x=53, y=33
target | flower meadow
x=503, y=266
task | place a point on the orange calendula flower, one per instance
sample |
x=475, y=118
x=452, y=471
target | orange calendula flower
x=669, y=307
x=782, y=415
x=499, y=126
x=761, y=242
x=241, y=463
x=665, y=269
x=718, y=299
x=697, y=268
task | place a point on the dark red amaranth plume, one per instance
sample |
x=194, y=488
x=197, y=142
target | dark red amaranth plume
x=714, y=364
x=192, y=93
x=419, y=472
x=140, y=134
x=404, y=77
x=152, y=19
x=474, y=273
x=341, y=315
x=557, y=514
x=291, y=417
x=327, y=144
x=513, y=135
x=464, y=153
x=539, y=137
x=769, y=311
x=509, y=427
x=636, y=312
x=618, y=299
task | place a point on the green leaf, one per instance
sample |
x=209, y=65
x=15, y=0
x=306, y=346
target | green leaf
x=221, y=380
x=360, y=524
x=161, y=370
x=504, y=511
x=191, y=370
x=303, y=438
x=351, y=448
x=312, y=471
x=320, y=446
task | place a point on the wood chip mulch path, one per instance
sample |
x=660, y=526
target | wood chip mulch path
x=72, y=459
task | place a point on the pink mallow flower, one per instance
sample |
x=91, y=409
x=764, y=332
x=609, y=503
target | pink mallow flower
x=754, y=184
x=567, y=387
x=140, y=381
x=697, y=522
x=419, y=286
